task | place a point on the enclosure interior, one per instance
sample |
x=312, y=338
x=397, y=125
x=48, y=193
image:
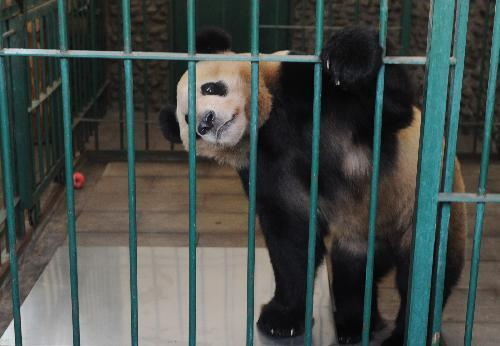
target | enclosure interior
x=100, y=138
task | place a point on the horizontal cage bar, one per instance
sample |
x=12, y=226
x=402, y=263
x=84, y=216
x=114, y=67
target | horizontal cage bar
x=138, y=55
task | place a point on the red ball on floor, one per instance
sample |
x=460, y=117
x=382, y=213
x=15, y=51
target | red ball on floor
x=78, y=180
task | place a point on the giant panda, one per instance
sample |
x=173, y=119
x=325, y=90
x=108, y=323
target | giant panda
x=351, y=60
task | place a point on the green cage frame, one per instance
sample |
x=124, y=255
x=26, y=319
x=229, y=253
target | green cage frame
x=447, y=25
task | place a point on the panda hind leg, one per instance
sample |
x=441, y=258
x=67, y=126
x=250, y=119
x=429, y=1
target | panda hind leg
x=348, y=285
x=286, y=235
x=454, y=266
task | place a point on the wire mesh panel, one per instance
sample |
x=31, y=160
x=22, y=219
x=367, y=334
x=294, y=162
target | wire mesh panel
x=63, y=70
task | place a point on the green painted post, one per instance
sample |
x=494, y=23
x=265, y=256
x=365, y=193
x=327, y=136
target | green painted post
x=68, y=155
x=254, y=116
x=462, y=15
x=370, y=256
x=429, y=169
x=8, y=184
x=132, y=213
x=311, y=257
x=488, y=125
x=191, y=17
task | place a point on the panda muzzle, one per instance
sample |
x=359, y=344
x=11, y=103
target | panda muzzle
x=207, y=123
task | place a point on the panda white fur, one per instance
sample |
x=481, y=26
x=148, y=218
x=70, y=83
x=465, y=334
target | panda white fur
x=351, y=61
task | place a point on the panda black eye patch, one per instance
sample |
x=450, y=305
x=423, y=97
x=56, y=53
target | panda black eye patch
x=214, y=88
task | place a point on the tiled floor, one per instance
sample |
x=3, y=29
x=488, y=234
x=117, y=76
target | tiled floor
x=163, y=299
x=222, y=222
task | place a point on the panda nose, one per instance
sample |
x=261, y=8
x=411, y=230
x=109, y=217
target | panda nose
x=207, y=123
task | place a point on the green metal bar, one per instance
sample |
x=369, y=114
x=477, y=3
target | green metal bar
x=483, y=175
x=145, y=38
x=469, y=197
x=138, y=55
x=462, y=16
x=370, y=256
x=429, y=169
x=252, y=184
x=311, y=257
x=8, y=184
x=406, y=27
x=129, y=108
x=191, y=22
x=68, y=155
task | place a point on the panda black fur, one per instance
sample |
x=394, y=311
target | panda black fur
x=351, y=60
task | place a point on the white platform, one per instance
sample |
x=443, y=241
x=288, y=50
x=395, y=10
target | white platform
x=163, y=299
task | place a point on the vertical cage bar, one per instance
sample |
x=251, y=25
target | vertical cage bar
x=311, y=256
x=252, y=181
x=132, y=213
x=8, y=185
x=68, y=160
x=379, y=103
x=429, y=169
x=483, y=175
x=145, y=38
x=191, y=16
x=459, y=47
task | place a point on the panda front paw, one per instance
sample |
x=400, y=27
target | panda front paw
x=352, y=57
x=279, y=321
x=348, y=333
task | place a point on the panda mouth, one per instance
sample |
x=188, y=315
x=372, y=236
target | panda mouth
x=225, y=126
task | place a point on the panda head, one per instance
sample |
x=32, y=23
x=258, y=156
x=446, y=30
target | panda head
x=223, y=90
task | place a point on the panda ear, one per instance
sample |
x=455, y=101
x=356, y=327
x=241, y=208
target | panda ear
x=212, y=40
x=169, y=125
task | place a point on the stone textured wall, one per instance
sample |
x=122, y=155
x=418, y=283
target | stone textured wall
x=338, y=13
x=157, y=19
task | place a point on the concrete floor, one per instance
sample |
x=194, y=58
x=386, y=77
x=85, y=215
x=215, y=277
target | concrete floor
x=102, y=220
